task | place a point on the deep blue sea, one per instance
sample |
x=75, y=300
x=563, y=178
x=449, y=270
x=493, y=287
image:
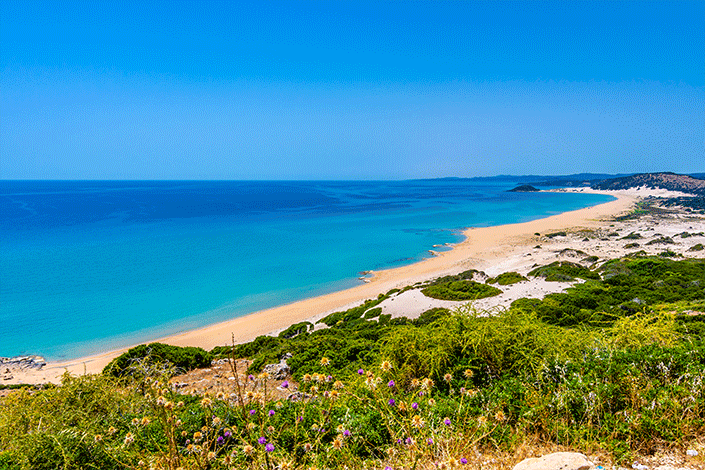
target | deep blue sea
x=88, y=266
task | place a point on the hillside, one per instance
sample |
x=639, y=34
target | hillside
x=668, y=181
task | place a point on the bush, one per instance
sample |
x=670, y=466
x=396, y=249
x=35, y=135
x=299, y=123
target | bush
x=460, y=290
x=181, y=358
x=505, y=279
x=563, y=271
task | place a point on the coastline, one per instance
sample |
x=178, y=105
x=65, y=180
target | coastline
x=481, y=248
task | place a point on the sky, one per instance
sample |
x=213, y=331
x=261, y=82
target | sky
x=349, y=90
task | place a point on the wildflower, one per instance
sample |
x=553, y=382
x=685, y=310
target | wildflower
x=482, y=420
x=197, y=436
x=112, y=430
x=370, y=382
x=252, y=412
x=216, y=421
x=427, y=383
x=334, y=394
x=307, y=447
x=337, y=443
x=429, y=441
x=463, y=460
x=415, y=383
x=262, y=440
x=269, y=447
x=285, y=384
x=129, y=438
x=211, y=455
x=184, y=434
x=279, y=405
x=388, y=468
x=248, y=449
x=263, y=375
x=135, y=421
x=442, y=466
x=271, y=412
x=391, y=384
x=220, y=395
x=325, y=361
x=468, y=373
x=169, y=405
x=98, y=438
x=307, y=378
x=329, y=378
x=361, y=371
x=180, y=404
x=386, y=366
x=338, y=385
x=402, y=406
x=160, y=401
x=270, y=429
x=452, y=462
x=499, y=416
x=346, y=433
x=250, y=426
x=220, y=440
x=415, y=406
x=227, y=434
x=391, y=402
x=417, y=421
x=431, y=402
x=446, y=421
x=448, y=377
x=206, y=402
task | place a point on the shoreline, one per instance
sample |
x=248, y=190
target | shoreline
x=481, y=248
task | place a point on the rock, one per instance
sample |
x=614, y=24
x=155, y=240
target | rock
x=556, y=461
x=524, y=188
x=23, y=362
x=277, y=371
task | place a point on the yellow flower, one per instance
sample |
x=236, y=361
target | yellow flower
x=250, y=426
x=145, y=421
x=98, y=438
x=160, y=401
x=307, y=447
x=427, y=384
x=468, y=373
x=499, y=416
x=338, y=385
x=307, y=378
x=448, y=377
x=325, y=361
x=206, y=402
x=482, y=420
x=431, y=401
x=129, y=438
x=220, y=395
x=216, y=421
x=338, y=443
x=452, y=462
x=135, y=421
x=197, y=436
x=211, y=455
x=112, y=430
x=248, y=449
x=417, y=421
x=386, y=366
x=415, y=383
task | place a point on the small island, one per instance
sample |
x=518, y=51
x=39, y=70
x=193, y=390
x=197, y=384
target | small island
x=524, y=188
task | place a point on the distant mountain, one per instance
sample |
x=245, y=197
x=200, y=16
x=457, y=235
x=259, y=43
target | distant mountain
x=669, y=181
x=524, y=188
x=578, y=179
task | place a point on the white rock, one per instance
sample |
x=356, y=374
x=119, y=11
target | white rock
x=556, y=461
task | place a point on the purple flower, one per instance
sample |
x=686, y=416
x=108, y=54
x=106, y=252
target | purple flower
x=399, y=441
x=300, y=418
x=430, y=441
x=188, y=441
x=360, y=371
x=252, y=412
x=421, y=393
x=269, y=447
x=408, y=441
x=220, y=440
x=271, y=412
x=285, y=384
x=391, y=384
x=250, y=377
x=227, y=434
x=262, y=440
x=329, y=378
x=388, y=468
x=346, y=433
x=446, y=421
x=463, y=460
x=415, y=406
x=391, y=402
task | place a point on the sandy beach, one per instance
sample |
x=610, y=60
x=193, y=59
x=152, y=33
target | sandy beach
x=493, y=250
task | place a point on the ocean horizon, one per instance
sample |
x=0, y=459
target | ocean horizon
x=91, y=266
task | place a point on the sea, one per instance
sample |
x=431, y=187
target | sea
x=91, y=266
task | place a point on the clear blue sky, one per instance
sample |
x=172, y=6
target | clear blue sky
x=349, y=90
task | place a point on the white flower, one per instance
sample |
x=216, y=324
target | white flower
x=691, y=452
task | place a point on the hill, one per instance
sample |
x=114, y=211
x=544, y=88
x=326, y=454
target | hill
x=668, y=181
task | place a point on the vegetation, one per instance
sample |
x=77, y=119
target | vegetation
x=563, y=271
x=614, y=363
x=157, y=354
x=505, y=279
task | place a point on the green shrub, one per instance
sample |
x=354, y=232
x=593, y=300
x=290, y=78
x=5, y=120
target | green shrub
x=563, y=271
x=460, y=290
x=698, y=247
x=181, y=358
x=505, y=279
x=296, y=329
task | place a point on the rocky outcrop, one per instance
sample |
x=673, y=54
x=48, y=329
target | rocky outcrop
x=277, y=371
x=556, y=461
x=22, y=362
x=524, y=188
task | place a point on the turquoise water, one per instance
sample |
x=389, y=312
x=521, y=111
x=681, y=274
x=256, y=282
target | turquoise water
x=91, y=266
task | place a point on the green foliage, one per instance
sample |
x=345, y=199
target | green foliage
x=505, y=279
x=661, y=241
x=296, y=329
x=556, y=234
x=698, y=247
x=631, y=245
x=632, y=236
x=563, y=271
x=181, y=358
x=460, y=290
